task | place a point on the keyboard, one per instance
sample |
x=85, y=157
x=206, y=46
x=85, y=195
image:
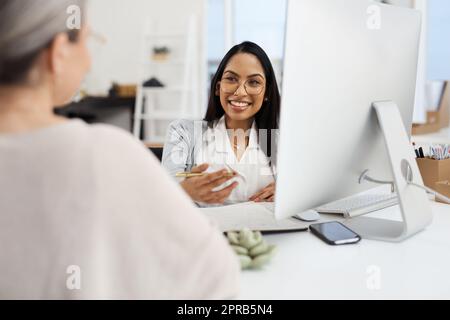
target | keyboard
x=360, y=204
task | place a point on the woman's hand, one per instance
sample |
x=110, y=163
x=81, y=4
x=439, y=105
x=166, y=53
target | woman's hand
x=200, y=189
x=265, y=195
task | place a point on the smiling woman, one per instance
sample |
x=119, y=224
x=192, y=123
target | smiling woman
x=246, y=61
x=238, y=133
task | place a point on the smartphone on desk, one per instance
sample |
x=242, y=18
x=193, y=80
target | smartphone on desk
x=334, y=233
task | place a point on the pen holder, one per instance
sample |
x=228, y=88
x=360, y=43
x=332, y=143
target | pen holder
x=433, y=171
x=443, y=187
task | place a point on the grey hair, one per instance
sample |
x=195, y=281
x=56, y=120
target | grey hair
x=28, y=26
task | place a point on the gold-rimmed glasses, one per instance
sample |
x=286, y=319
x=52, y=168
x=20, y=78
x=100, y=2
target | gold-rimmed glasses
x=253, y=87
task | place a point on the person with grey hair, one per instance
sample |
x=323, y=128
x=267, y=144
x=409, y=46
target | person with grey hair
x=86, y=212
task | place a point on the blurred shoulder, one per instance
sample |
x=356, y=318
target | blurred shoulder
x=113, y=140
x=187, y=130
x=190, y=126
x=111, y=133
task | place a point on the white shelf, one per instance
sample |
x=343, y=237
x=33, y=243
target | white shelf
x=163, y=115
x=162, y=89
x=166, y=35
x=164, y=62
x=176, y=70
x=156, y=140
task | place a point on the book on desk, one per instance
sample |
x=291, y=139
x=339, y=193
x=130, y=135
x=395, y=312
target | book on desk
x=253, y=216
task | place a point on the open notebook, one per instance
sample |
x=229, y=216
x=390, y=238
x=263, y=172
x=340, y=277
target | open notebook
x=254, y=216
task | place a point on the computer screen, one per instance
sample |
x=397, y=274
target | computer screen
x=340, y=57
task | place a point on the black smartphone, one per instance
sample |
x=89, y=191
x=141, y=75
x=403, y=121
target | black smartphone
x=334, y=233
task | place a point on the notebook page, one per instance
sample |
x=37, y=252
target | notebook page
x=254, y=216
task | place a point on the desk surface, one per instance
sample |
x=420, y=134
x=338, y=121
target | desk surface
x=307, y=268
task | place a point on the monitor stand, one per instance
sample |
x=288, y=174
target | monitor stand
x=414, y=203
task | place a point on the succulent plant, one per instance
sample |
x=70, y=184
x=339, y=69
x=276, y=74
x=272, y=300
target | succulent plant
x=251, y=248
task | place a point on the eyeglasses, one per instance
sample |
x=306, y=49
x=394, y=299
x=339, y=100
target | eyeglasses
x=231, y=85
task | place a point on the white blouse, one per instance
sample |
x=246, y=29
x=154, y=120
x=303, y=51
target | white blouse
x=254, y=169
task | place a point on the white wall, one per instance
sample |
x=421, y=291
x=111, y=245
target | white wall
x=438, y=40
x=122, y=23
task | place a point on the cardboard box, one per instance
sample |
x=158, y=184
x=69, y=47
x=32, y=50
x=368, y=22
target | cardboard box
x=433, y=171
x=443, y=187
x=433, y=124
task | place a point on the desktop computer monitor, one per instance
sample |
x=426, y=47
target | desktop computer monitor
x=341, y=56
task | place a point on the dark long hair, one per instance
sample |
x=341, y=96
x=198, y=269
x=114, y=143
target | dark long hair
x=268, y=117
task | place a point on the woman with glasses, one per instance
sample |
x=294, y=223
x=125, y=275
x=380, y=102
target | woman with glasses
x=230, y=157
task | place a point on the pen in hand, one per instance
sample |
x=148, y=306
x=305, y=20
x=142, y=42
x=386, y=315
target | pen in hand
x=202, y=186
x=193, y=174
x=230, y=173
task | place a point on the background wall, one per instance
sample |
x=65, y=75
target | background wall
x=122, y=24
x=439, y=40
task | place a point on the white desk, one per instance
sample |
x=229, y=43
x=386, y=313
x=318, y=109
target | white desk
x=307, y=268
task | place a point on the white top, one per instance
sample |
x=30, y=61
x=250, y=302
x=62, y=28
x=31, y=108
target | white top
x=255, y=172
x=94, y=198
